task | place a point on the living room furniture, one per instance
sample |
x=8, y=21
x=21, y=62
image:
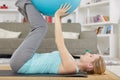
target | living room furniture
x=93, y=14
x=86, y=39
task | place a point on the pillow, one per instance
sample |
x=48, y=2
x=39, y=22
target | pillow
x=70, y=35
x=9, y=34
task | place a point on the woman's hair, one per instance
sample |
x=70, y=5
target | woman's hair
x=99, y=66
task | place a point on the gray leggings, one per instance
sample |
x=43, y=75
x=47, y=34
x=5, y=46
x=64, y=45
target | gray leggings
x=38, y=30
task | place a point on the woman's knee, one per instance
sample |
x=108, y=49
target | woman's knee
x=13, y=65
x=40, y=28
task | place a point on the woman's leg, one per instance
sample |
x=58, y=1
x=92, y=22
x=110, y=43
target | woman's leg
x=38, y=30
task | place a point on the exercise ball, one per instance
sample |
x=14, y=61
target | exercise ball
x=49, y=7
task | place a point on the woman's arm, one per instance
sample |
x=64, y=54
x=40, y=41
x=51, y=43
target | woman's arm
x=67, y=60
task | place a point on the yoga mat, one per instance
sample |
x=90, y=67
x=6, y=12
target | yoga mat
x=13, y=74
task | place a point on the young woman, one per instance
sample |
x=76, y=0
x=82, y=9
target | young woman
x=26, y=61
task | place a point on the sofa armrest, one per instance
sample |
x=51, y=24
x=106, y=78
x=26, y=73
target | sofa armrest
x=88, y=34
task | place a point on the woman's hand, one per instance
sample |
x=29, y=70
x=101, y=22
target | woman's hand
x=63, y=10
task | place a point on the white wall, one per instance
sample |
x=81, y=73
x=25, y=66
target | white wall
x=119, y=30
x=9, y=3
x=119, y=44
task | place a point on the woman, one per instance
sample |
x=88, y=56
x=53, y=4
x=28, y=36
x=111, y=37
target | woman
x=25, y=60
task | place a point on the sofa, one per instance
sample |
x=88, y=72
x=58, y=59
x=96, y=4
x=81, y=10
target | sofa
x=86, y=40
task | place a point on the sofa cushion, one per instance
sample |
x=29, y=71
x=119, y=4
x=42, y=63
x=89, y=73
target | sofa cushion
x=9, y=34
x=66, y=27
x=88, y=34
x=75, y=47
x=79, y=46
x=70, y=35
x=24, y=28
x=47, y=45
x=9, y=45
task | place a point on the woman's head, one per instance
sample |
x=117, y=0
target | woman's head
x=99, y=66
x=93, y=63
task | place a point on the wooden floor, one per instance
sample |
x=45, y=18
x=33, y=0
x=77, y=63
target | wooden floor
x=107, y=76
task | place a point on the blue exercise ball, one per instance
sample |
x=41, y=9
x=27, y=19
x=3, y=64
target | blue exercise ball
x=49, y=7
